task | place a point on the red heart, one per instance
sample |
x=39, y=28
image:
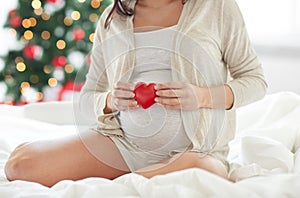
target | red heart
x=144, y=94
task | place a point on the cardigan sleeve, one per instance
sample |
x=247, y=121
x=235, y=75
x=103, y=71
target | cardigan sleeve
x=248, y=83
x=92, y=99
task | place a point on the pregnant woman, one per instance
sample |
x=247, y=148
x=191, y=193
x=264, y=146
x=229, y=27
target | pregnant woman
x=199, y=58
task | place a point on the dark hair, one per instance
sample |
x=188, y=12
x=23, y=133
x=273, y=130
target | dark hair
x=122, y=9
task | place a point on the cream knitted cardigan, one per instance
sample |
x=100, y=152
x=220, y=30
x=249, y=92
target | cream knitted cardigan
x=211, y=48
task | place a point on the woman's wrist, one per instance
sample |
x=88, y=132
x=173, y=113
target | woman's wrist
x=203, y=96
x=108, y=107
x=219, y=97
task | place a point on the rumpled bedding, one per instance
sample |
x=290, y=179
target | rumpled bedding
x=264, y=156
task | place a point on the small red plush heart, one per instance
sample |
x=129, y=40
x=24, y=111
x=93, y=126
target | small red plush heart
x=144, y=94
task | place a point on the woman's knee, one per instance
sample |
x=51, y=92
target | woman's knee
x=211, y=164
x=202, y=161
x=189, y=159
x=20, y=163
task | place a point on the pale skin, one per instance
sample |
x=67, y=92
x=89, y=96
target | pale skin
x=48, y=162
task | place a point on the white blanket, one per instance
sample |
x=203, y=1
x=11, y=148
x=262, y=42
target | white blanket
x=262, y=156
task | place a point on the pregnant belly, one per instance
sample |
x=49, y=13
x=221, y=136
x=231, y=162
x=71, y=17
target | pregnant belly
x=155, y=128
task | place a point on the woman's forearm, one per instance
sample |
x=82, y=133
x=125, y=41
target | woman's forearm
x=218, y=97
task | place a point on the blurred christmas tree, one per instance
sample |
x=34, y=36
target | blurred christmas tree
x=55, y=38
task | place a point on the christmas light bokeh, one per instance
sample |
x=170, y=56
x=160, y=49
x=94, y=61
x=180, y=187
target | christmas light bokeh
x=54, y=41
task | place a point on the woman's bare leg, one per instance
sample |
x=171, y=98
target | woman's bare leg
x=183, y=161
x=48, y=162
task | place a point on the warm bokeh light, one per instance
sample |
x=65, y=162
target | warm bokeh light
x=45, y=16
x=38, y=11
x=32, y=21
x=45, y=35
x=19, y=59
x=40, y=96
x=61, y=44
x=75, y=15
x=46, y=70
x=21, y=67
x=69, y=68
x=26, y=23
x=25, y=85
x=93, y=17
x=28, y=35
x=68, y=21
x=95, y=3
x=52, y=82
x=36, y=4
x=92, y=37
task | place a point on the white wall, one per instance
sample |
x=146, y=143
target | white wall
x=274, y=28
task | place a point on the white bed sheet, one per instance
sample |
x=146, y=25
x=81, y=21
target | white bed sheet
x=262, y=156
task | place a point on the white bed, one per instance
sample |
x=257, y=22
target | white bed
x=264, y=158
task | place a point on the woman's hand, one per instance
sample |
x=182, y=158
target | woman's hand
x=121, y=98
x=178, y=95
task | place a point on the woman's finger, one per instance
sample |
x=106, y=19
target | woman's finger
x=169, y=85
x=124, y=85
x=117, y=93
x=125, y=103
x=167, y=101
x=170, y=93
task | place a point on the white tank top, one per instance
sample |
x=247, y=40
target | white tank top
x=154, y=129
